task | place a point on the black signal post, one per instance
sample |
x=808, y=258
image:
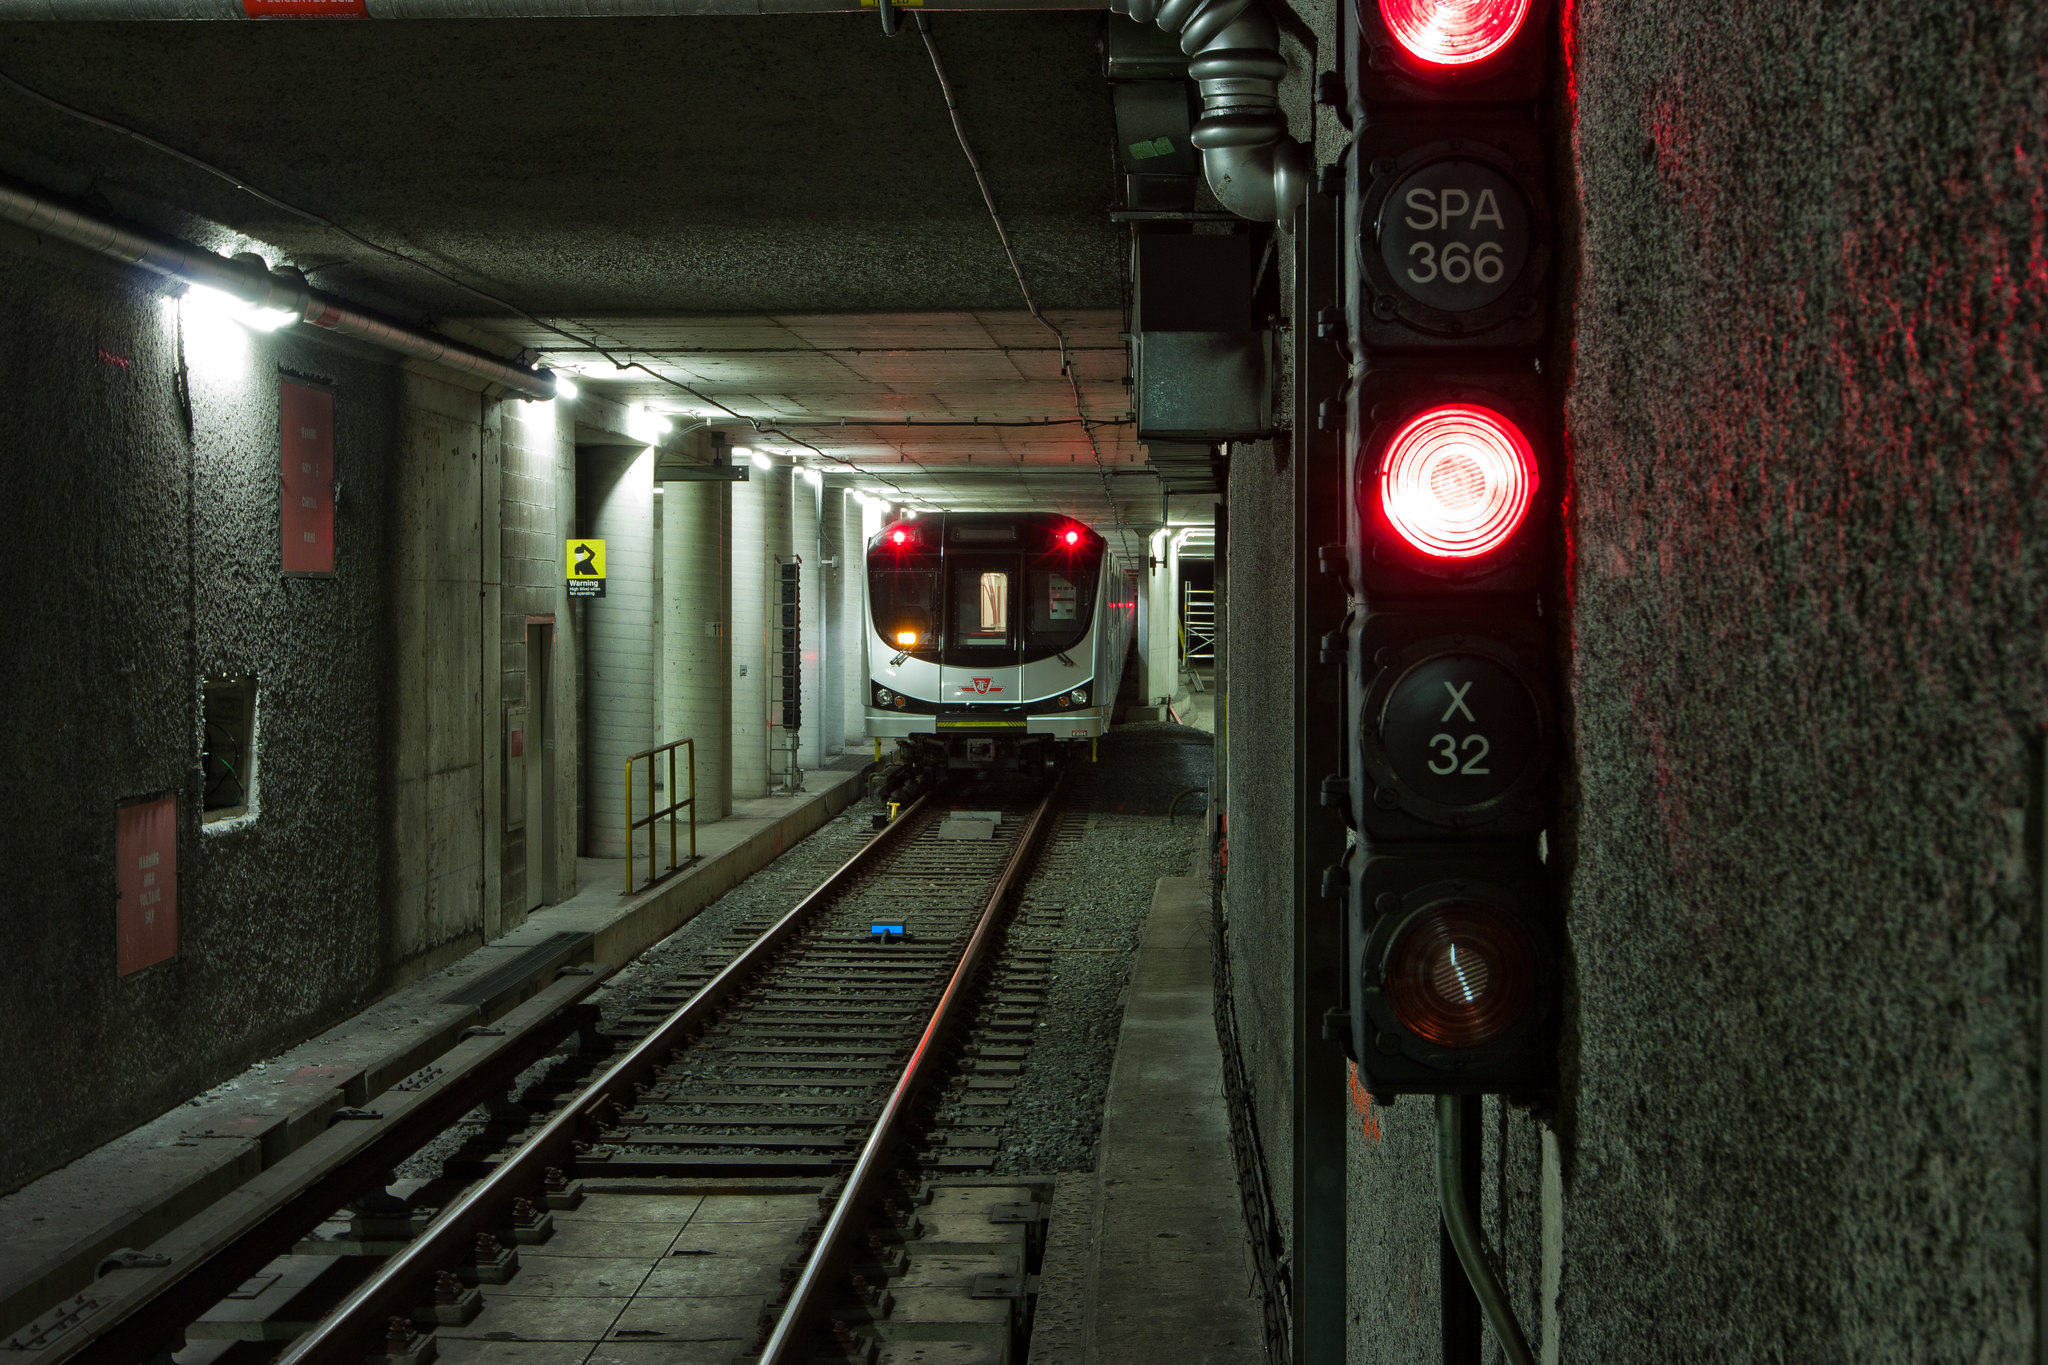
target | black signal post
x=1452, y=484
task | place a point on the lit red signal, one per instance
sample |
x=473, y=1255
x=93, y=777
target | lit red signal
x=1453, y=33
x=1070, y=537
x=899, y=536
x=1456, y=482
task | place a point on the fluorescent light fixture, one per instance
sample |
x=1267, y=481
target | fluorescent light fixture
x=209, y=300
x=760, y=461
x=910, y=514
x=565, y=387
x=814, y=478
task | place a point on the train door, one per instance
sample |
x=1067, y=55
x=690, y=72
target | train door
x=984, y=593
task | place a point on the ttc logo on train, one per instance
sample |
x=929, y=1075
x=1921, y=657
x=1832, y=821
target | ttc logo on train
x=980, y=686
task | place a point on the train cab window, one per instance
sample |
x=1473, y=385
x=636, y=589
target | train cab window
x=905, y=603
x=981, y=608
x=1059, y=604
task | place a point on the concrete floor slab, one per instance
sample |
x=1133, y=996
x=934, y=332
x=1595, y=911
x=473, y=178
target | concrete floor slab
x=565, y=1277
x=513, y=1317
x=1171, y=1277
x=455, y=1351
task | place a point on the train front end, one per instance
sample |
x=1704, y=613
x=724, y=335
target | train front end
x=994, y=639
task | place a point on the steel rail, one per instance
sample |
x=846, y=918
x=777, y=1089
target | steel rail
x=786, y=1344
x=224, y=1246
x=401, y=1284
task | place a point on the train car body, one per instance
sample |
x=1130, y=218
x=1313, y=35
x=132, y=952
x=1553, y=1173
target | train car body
x=994, y=638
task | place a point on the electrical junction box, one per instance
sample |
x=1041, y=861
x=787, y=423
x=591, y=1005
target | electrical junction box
x=1203, y=372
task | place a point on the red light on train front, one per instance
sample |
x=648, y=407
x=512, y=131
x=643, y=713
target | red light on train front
x=1070, y=537
x=899, y=536
x=1448, y=33
x=1456, y=482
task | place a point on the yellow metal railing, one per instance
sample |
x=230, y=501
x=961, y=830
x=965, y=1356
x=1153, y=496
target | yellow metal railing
x=667, y=812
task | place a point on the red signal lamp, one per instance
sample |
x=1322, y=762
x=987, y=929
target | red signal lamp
x=899, y=536
x=1070, y=537
x=1456, y=482
x=1453, y=33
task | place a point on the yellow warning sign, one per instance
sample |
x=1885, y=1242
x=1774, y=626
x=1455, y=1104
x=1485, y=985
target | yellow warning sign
x=585, y=568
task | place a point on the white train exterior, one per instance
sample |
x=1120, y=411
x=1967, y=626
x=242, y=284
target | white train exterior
x=994, y=638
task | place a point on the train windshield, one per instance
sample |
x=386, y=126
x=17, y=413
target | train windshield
x=906, y=606
x=1058, y=604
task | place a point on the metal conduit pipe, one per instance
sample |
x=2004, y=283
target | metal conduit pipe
x=1256, y=170
x=1463, y=1228
x=246, y=278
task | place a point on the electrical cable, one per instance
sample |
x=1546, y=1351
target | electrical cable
x=1088, y=425
x=766, y=427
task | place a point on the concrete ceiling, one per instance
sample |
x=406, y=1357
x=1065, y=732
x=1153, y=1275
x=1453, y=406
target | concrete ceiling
x=774, y=211
x=954, y=410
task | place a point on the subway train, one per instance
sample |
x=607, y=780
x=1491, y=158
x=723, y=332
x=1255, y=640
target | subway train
x=995, y=639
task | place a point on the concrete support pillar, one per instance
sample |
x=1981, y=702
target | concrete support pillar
x=618, y=632
x=850, y=546
x=805, y=513
x=760, y=532
x=1162, y=661
x=697, y=642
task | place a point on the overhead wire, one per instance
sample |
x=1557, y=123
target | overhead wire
x=765, y=426
x=1088, y=424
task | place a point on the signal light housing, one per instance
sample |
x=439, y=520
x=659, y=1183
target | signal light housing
x=1457, y=975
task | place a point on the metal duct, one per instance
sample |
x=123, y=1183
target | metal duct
x=246, y=278
x=472, y=9
x=1256, y=170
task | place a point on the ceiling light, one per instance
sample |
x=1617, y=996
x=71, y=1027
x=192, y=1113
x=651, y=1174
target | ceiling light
x=565, y=387
x=760, y=461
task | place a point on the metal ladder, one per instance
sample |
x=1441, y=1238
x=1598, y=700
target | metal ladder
x=1197, y=632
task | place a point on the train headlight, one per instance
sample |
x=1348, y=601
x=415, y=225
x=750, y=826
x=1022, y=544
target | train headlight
x=884, y=696
x=907, y=638
x=1080, y=696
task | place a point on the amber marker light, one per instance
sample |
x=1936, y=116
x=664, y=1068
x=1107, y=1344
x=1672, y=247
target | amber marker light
x=1456, y=482
x=1460, y=975
x=906, y=638
x=1453, y=32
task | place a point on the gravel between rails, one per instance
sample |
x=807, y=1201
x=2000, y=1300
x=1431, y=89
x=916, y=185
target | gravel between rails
x=1104, y=883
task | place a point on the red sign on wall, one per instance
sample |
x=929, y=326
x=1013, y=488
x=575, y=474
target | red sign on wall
x=306, y=414
x=146, y=861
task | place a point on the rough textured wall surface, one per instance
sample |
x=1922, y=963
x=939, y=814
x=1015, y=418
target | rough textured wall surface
x=1259, y=889
x=1808, y=554
x=148, y=560
x=805, y=162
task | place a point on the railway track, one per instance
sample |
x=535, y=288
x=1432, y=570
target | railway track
x=813, y=1111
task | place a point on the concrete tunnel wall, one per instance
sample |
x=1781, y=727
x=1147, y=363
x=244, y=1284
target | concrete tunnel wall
x=149, y=560
x=1803, y=631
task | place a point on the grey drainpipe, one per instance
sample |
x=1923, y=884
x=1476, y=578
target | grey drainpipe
x=248, y=279
x=1256, y=170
